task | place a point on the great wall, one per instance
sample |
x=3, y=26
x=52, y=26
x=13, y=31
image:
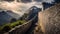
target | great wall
x=49, y=20
x=44, y=23
x=21, y=29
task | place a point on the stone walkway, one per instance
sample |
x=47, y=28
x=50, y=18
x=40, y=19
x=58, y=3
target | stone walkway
x=34, y=30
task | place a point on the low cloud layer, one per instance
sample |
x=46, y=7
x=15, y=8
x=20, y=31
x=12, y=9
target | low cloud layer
x=48, y=1
x=21, y=7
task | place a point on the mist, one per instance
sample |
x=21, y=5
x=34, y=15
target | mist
x=47, y=1
x=21, y=7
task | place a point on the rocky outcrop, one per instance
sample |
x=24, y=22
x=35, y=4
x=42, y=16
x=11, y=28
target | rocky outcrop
x=49, y=20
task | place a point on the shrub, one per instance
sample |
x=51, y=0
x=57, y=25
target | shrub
x=13, y=23
x=5, y=28
x=9, y=26
x=13, y=20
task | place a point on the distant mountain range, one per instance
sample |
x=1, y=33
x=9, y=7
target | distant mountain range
x=7, y=16
x=16, y=9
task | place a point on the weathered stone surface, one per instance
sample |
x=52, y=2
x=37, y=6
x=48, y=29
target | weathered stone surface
x=49, y=20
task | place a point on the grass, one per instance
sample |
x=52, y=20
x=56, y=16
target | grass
x=9, y=26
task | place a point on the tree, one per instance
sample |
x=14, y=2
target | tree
x=13, y=20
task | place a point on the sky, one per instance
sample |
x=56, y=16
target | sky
x=20, y=8
x=48, y=1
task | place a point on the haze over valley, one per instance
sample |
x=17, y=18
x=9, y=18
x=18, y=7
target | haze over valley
x=16, y=9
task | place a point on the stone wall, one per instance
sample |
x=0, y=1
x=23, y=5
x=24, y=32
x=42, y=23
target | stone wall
x=21, y=29
x=49, y=20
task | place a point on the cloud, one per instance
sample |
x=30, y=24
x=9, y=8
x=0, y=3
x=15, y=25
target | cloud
x=48, y=1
